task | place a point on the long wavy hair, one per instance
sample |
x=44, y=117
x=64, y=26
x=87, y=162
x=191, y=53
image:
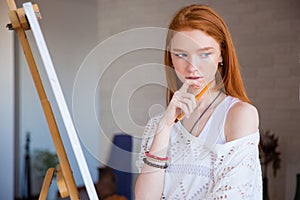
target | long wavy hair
x=203, y=18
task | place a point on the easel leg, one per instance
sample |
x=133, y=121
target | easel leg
x=46, y=184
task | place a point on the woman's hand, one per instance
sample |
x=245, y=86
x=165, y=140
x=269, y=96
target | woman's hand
x=182, y=101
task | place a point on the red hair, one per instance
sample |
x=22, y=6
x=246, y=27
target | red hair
x=205, y=19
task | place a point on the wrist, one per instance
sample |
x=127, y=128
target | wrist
x=163, y=126
x=165, y=122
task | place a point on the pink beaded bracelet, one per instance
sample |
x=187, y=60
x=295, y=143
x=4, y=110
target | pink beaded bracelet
x=155, y=157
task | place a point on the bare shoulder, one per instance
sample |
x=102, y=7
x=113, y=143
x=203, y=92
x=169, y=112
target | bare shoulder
x=242, y=120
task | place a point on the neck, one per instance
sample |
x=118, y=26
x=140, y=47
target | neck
x=207, y=98
x=205, y=110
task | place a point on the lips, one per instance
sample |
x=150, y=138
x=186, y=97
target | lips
x=194, y=81
x=193, y=77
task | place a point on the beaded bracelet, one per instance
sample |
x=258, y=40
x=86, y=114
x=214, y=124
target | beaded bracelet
x=160, y=162
x=155, y=165
x=155, y=157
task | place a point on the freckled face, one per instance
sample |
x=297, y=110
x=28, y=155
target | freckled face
x=195, y=56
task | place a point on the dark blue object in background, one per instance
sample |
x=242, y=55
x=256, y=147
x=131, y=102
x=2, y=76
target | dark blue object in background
x=120, y=162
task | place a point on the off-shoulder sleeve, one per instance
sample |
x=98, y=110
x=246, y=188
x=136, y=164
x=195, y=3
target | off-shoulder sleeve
x=147, y=139
x=237, y=171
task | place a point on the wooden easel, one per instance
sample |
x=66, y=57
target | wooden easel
x=65, y=180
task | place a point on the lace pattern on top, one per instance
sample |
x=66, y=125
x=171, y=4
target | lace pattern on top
x=229, y=171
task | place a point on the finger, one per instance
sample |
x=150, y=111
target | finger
x=180, y=95
x=190, y=97
x=189, y=104
x=186, y=98
x=182, y=106
x=184, y=87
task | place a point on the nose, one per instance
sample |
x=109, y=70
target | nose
x=192, y=64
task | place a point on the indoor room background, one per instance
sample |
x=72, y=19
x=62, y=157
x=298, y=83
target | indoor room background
x=266, y=35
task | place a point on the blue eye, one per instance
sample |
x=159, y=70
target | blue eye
x=204, y=55
x=181, y=55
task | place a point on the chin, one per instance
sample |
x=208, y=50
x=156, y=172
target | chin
x=195, y=89
x=198, y=86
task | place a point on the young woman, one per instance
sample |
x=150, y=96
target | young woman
x=212, y=152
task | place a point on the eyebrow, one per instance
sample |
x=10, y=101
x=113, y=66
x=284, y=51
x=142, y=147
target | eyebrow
x=202, y=49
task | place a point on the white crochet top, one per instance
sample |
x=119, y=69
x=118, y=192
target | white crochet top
x=206, y=167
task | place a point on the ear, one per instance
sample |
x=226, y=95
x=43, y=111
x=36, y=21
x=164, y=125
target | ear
x=220, y=59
